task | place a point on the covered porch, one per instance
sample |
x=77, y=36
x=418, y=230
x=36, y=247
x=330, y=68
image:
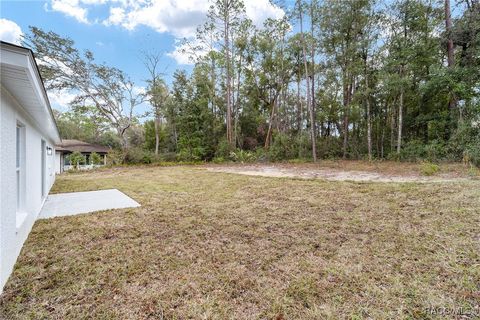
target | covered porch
x=68, y=146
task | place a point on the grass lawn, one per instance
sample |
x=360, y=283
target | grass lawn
x=210, y=245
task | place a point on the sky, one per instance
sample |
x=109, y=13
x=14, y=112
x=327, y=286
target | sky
x=118, y=31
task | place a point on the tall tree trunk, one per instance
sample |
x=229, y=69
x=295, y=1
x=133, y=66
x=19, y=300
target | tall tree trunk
x=369, y=129
x=123, y=139
x=400, y=122
x=236, y=104
x=270, y=125
x=175, y=137
x=346, y=104
x=299, y=105
x=402, y=85
x=369, y=118
x=228, y=77
x=392, y=126
x=213, y=91
x=283, y=91
x=450, y=54
x=448, y=29
x=157, y=134
x=382, y=137
x=309, y=103
x=313, y=128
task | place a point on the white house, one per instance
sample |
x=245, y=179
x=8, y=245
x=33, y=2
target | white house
x=28, y=135
x=67, y=147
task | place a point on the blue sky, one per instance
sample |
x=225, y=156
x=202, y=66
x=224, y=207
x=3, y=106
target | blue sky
x=111, y=44
x=117, y=31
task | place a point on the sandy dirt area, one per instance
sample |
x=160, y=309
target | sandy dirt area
x=333, y=174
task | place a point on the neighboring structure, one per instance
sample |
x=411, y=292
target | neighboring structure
x=68, y=146
x=28, y=135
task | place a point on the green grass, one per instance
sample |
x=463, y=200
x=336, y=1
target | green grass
x=222, y=246
x=429, y=169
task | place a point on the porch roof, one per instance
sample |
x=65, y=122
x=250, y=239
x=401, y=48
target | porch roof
x=80, y=146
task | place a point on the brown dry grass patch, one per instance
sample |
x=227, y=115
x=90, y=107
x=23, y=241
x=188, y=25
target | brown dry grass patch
x=221, y=246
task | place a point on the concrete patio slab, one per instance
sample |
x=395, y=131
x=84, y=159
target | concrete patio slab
x=68, y=204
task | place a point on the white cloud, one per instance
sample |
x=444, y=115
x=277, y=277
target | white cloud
x=55, y=63
x=183, y=52
x=71, y=8
x=117, y=15
x=137, y=90
x=179, y=56
x=260, y=10
x=60, y=99
x=10, y=31
x=179, y=18
x=94, y=2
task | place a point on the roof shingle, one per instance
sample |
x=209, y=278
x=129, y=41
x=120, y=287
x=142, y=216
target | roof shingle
x=80, y=146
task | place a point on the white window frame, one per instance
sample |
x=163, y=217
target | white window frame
x=43, y=168
x=20, y=150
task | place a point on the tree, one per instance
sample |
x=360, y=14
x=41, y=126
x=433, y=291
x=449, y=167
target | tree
x=270, y=70
x=85, y=123
x=448, y=30
x=194, y=122
x=368, y=39
x=224, y=16
x=342, y=29
x=332, y=78
x=76, y=158
x=157, y=93
x=108, y=89
x=310, y=102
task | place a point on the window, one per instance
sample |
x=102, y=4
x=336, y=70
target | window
x=20, y=165
x=43, y=169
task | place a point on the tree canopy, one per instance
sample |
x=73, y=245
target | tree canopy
x=355, y=78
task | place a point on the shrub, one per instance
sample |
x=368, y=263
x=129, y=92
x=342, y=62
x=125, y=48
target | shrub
x=393, y=156
x=474, y=172
x=168, y=156
x=413, y=150
x=191, y=149
x=429, y=169
x=223, y=148
x=472, y=154
x=95, y=158
x=115, y=157
x=76, y=159
x=218, y=160
x=328, y=147
x=193, y=154
x=242, y=156
x=148, y=157
x=435, y=150
x=261, y=155
x=250, y=143
x=304, y=146
x=464, y=142
x=134, y=155
x=282, y=148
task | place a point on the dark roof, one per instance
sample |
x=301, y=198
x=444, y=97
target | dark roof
x=80, y=146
